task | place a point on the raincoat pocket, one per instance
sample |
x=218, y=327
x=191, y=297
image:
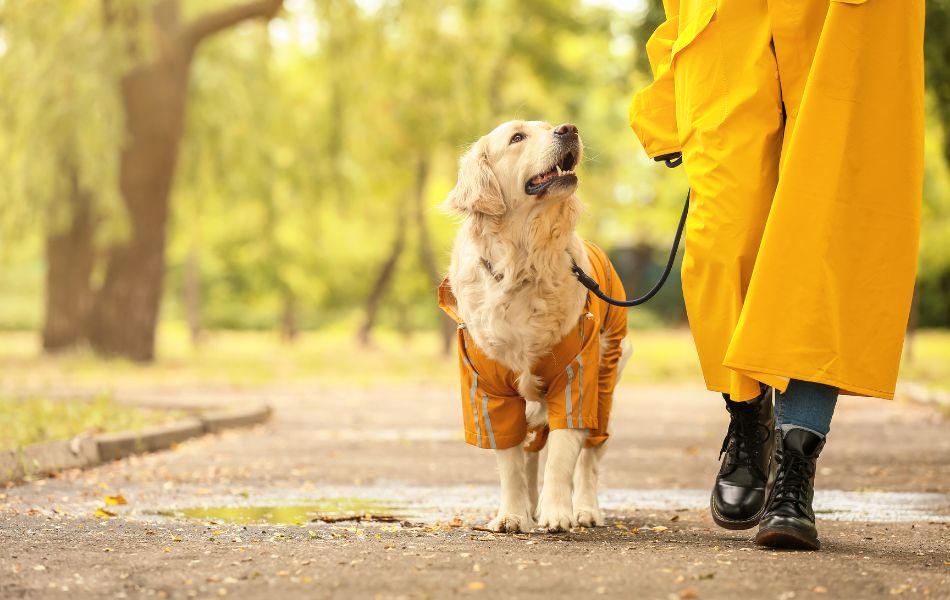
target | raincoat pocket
x=701, y=91
x=691, y=30
x=653, y=109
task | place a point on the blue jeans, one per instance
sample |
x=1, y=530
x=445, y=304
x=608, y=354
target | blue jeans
x=806, y=404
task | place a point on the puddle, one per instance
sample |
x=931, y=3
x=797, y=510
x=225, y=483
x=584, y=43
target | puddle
x=475, y=503
x=332, y=509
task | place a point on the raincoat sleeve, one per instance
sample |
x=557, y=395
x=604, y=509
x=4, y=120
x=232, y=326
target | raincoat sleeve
x=653, y=109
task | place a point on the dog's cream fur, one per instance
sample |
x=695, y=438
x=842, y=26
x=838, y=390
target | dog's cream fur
x=517, y=312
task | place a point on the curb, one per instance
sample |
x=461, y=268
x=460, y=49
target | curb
x=41, y=460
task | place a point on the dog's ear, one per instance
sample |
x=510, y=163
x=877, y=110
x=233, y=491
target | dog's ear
x=477, y=189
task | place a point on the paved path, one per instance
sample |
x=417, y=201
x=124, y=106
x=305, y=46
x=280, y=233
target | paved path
x=230, y=515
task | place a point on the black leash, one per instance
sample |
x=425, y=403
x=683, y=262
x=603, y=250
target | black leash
x=672, y=161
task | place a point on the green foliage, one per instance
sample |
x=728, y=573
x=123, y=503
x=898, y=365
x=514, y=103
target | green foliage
x=937, y=62
x=60, y=62
x=311, y=143
x=293, y=182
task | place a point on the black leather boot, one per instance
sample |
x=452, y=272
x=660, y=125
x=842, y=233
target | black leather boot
x=739, y=494
x=789, y=521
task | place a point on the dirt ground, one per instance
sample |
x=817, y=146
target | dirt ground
x=230, y=515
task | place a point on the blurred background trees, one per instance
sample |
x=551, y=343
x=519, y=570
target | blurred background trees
x=258, y=164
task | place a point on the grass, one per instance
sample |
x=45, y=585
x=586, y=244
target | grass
x=35, y=420
x=248, y=359
x=332, y=357
x=927, y=359
x=251, y=359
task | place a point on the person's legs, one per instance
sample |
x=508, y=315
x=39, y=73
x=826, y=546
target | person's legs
x=803, y=416
x=729, y=114
x=807, y=405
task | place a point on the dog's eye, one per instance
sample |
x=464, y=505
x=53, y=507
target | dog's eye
x=518, y=137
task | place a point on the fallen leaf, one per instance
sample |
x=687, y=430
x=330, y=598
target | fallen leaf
x=675, y=518
x=475, y=585
x=689, y=593
x=116, y=500
x=659, y=528
x=820, y=589
x=456, y=522
x=103, y=513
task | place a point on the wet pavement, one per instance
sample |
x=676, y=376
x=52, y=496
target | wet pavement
x=262, y=512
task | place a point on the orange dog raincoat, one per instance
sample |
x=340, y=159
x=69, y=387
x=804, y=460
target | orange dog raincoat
x=578, y=379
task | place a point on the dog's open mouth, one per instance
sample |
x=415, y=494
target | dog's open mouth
x=561, y=173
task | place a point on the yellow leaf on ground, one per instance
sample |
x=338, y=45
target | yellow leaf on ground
x=103, y=513
x=475, y=585
x=659, y=528
x=820, y=589
x=117, y=500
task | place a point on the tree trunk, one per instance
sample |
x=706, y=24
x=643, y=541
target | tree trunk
x=427, y=252
x=70, y=255
x=289, y=322
x=126, y=307
x=383, y=280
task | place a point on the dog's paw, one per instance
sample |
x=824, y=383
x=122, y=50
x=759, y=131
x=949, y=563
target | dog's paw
x=511, y=524
x=555, y=519
x=589, y=517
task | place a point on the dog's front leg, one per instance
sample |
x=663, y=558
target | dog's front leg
x=555, y=511
x=586, y=506
x=514, y=514
x=531, y=472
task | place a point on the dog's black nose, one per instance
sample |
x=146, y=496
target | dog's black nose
x=566, y=130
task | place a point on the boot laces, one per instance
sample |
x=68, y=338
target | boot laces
x=792, y=481
x=743, y=442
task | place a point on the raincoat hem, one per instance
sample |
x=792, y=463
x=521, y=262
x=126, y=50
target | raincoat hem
x=502, y=442
x=845, y=388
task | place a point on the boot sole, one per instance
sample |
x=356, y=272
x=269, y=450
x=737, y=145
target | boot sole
x=786, y=538
x=727, y=523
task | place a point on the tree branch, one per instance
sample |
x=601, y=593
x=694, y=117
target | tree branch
x=207, y=25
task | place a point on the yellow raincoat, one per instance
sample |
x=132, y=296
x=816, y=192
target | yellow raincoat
x=801, y=128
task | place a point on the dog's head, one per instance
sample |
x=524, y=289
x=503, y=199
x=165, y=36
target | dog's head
x=517, y=166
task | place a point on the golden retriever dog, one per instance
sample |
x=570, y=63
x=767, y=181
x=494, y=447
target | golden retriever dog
x=511, y=289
